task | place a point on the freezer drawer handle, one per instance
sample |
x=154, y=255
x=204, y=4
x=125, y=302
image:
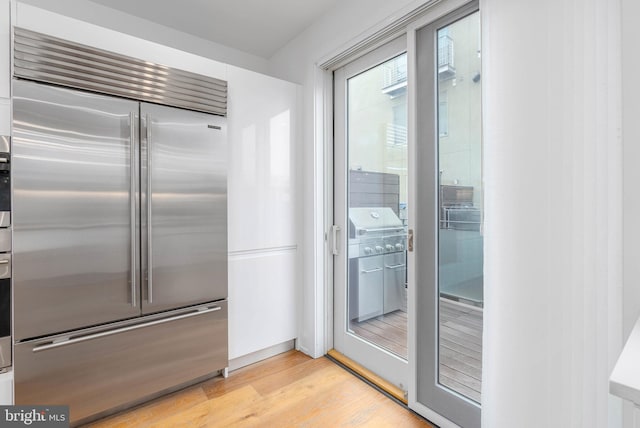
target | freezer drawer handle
x=123, y=329
x=371, y=270
x=395, y=266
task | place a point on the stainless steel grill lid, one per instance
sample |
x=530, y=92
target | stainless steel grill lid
x=48, y=59
x=374, y=219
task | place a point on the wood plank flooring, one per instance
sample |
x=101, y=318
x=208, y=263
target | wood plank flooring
x=460, y=343
x=461, y=348
x=387, y=331
x=288, y=390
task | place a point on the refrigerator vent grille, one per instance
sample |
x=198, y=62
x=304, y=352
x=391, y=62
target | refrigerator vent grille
x=48, y=59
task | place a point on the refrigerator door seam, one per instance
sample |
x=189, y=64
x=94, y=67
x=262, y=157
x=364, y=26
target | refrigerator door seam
x=132, y=189
x=149, y=216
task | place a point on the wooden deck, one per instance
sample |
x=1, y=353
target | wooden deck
x=460, y=343
x=387, y=331
x=461, y=348
x=288, y=390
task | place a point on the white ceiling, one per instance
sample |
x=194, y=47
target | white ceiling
x=259, y=27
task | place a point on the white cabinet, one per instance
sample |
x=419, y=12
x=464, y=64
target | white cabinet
x=263, y=220
x=262, y=168
x=6, y=388
x=5, y=51
x=5, y=66
x=262, y=301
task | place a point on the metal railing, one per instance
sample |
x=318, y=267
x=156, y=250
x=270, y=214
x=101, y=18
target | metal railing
x=445, y=52
x=395, y=71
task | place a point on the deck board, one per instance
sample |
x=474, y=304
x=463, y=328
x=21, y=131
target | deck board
x=460, y=343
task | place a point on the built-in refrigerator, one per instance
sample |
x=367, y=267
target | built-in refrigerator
x=120, y=248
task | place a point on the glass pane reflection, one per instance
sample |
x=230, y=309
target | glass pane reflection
x=377, y=201
x=460, y=234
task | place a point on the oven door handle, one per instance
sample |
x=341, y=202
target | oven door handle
x=371, y=270
x=380, y=229
x=395, y=266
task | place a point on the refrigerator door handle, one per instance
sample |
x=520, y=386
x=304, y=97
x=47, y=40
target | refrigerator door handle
x=149, y=197
x=132, y=190
x=71, y=341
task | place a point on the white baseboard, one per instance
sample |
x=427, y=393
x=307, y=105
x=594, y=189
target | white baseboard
x=263, y=354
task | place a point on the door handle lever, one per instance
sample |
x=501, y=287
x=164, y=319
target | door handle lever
x=334, y=240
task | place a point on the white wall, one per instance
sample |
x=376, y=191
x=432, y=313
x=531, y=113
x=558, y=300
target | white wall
x=553, y=243
x=631, y=138
x=106, y=17
x=631, y=156
x=295, y=62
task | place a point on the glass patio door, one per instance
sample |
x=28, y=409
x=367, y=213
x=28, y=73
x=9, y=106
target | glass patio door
x=449, y=209
x=370, y=210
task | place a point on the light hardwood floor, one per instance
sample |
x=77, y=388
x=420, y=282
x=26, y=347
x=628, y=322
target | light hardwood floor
x=288, y=390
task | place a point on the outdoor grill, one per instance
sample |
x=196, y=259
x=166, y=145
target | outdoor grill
x=377, y=262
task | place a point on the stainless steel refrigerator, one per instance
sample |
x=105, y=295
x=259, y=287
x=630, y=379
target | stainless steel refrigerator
x=120, y=248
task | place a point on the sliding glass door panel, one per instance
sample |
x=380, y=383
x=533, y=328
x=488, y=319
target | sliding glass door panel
x=370, y=205
x=449, y=213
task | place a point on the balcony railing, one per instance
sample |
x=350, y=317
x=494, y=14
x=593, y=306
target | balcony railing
x=446, y=66
x=394, y=78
